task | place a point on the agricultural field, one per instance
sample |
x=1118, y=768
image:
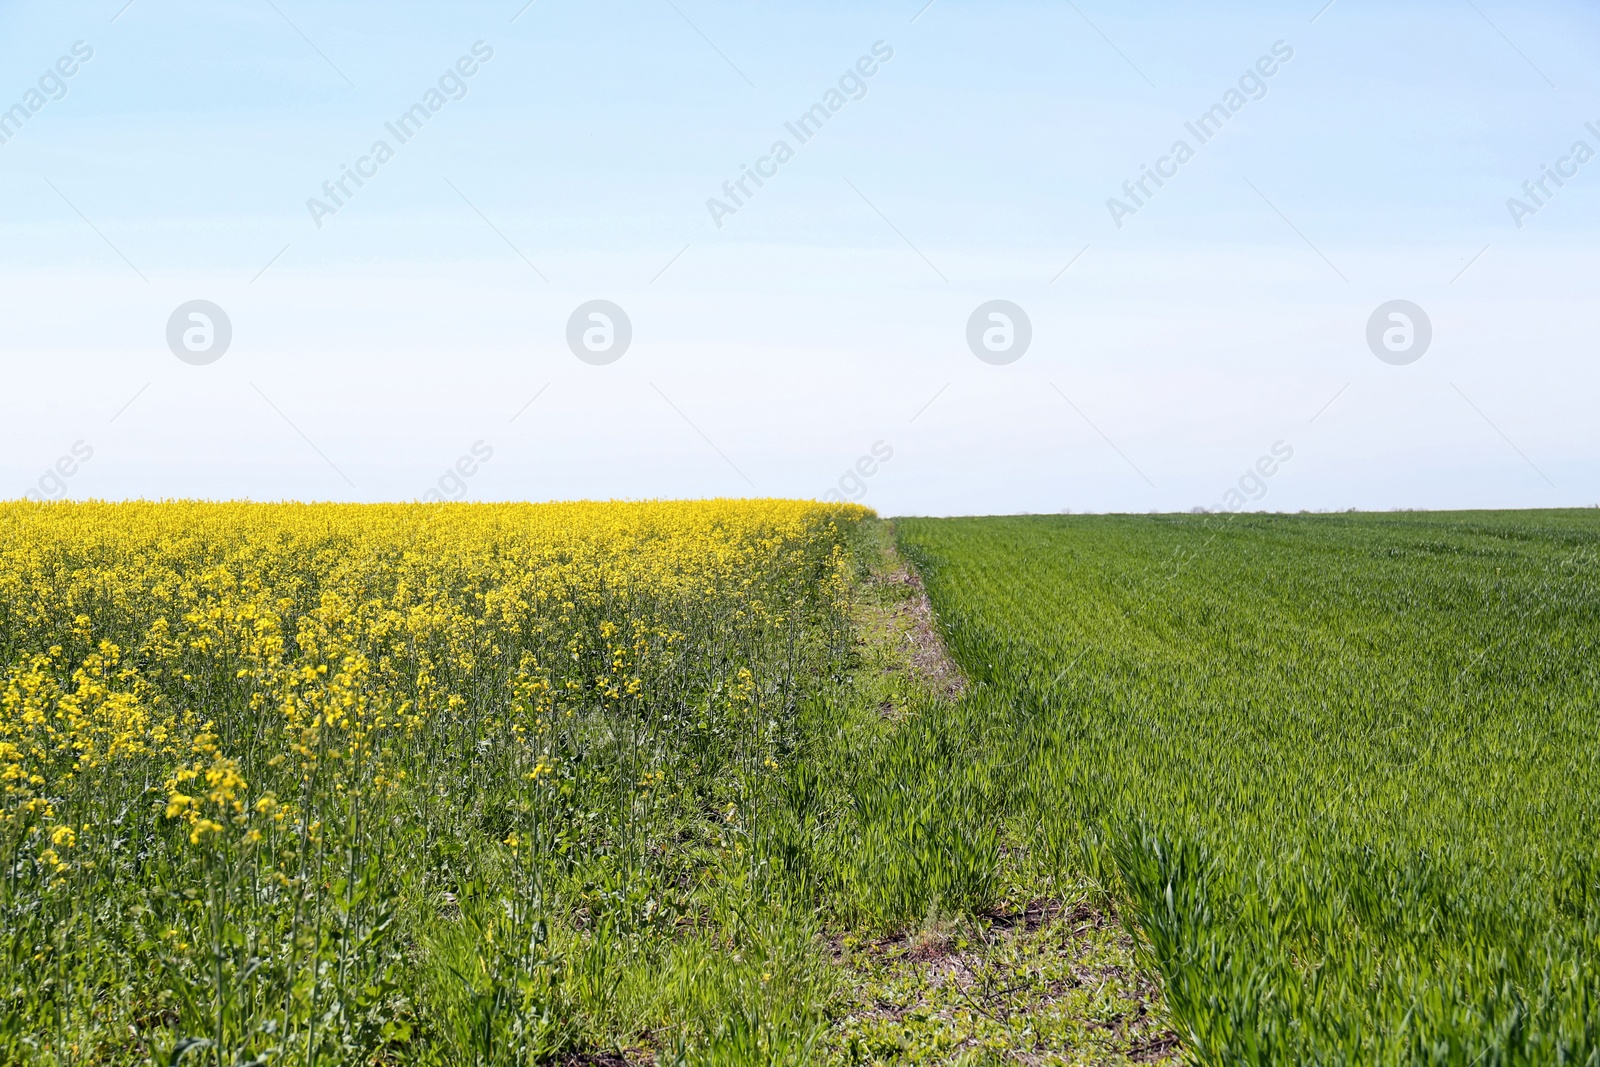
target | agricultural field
x=700, y=783
x=1343, y=770
x=327, y=784
x=595, y=783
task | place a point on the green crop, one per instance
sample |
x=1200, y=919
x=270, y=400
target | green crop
x=1343, y=769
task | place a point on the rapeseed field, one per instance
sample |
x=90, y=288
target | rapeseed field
x=307, y=783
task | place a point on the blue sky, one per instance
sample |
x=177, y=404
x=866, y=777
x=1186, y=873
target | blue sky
x=826, y=317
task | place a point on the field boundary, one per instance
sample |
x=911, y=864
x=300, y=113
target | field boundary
x=896, y=616
x=1045, y=973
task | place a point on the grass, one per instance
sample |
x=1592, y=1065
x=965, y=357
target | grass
x=1341, y=769
x=1053, y=983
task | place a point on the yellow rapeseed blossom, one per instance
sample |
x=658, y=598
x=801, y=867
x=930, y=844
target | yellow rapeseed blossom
x=155, y=645
x=245, y=747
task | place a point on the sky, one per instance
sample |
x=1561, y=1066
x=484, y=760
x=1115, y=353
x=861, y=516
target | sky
x=1223, y=336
